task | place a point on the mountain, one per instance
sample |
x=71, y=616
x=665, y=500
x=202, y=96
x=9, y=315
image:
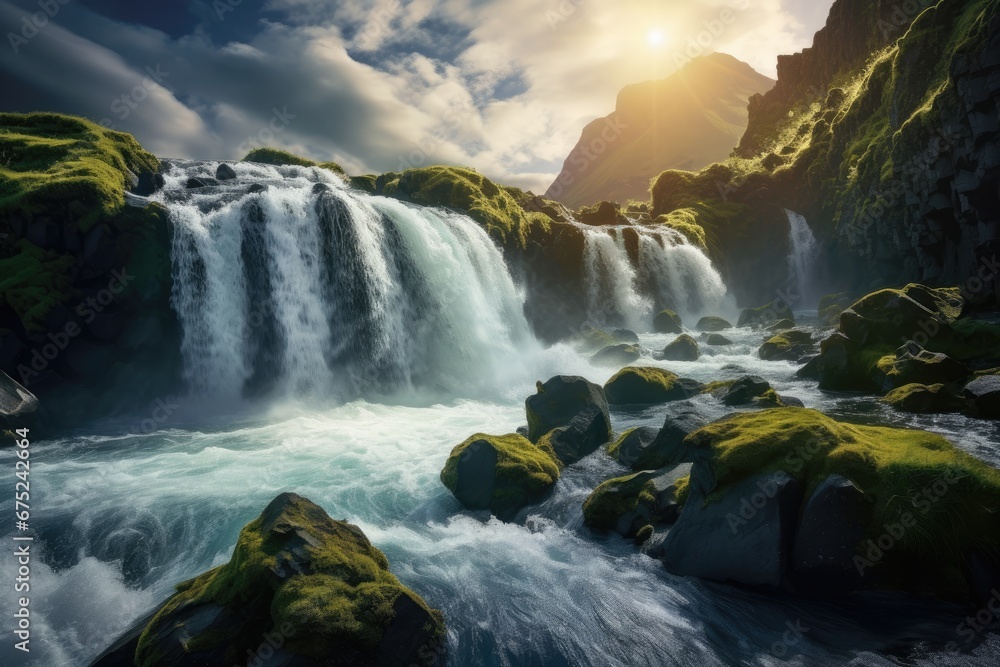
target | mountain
x=686, y=121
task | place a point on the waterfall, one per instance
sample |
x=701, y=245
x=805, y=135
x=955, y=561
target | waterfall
x=803, y=254
x=663, y=271
x=286, y=280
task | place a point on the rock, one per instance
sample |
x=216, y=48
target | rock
x=791, y=401
x=630, y=445
x=924, y=399
x=203, y=182
x=617, y=355
x=782, y=325
x=256, y=187
x=744, y=390
x=830, y=316
x=684, y=348
x=666, y=448
x=984, y=394
x=317, y=585
x=830, y=529
x=627, y=504
x=648, y=386
x=574, y=403
x=503, y=474
x=668, y=322
x=766, y=315
x=18, y=407
x=913, y=364
x=713, y=324
x=99, y=249
x=743, y=537
x=717, y=339
x=225, y=172
x=625, y=336
x=603, y=213
x=889, y=315
x=148, y=184
x=786, y=346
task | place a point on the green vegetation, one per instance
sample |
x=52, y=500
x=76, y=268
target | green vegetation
x=667, y=321
x=953, y=497
x=66, y=167
x=685, y=222
x=472, y=193
x=644, y=385
x=34, y=281
x=279, y=158
x=342, y=601
x=617, y=497
x=617, y=444
x=920, y=398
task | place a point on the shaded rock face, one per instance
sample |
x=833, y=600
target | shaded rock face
x=984, y=393
x=924, y=399
x=669, y=322
x=744, y=390
x=18, y=407
x=626, y=504
x=745, y=537
x=830, y=529
x=915, y=365
x=578, y=406
x=314, y=590
x=667, y=448
x=617, y=355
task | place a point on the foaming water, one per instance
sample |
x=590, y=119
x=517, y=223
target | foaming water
x=803, y=255
x=666, y=272
x=286, y=281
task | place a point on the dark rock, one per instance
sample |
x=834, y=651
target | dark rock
x=915, y=365
x=667, y=447
x=625, y=336
x=786, y=346
x=630, y=447
x=684, y=348
x=99, y=249
x=984, y=393
x=717, y=339
x=573, y=403
x=617, y=355
x=18, y=407
x=668, y=322
x=627, y=504
x=791, y=401
x=225, y=172
x=45, y=232
x=603, y=214
x=924, y=399
x=202, y=182
x=648, y=386
x=713, y=324
x=744, y=537
x=829, y=531
x=148, y=184
x=256, y=187
x=766, y=315
x=744, y=390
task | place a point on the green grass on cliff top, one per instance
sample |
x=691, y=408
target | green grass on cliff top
x=277, y=157
x=65, y=166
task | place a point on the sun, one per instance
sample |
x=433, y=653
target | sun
x=656, y=38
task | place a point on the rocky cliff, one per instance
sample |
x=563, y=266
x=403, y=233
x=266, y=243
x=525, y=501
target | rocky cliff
x=687, y=121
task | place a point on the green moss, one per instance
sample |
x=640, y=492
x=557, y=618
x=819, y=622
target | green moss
x=644, y=385
x=366, y=183
x=34, y=281
x=279, y=158
x=343, y=601
x=894, y=467
x=616, y=498
x=66, y=167
x=617, y=444
x=685, y=222
x=667, y=321
x=920, y=398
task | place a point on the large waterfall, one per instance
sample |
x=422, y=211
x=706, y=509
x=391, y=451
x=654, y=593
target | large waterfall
x=286, y=280
x=803, y=255
x=633, y=272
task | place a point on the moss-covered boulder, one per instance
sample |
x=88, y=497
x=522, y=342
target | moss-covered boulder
x=886, y=316
x=317, y=585
x=683, y=348
x=684, y=221
x=717, y=340
x=617, y=355
x=626, y=504
x=281, y=158
x=787, y=345
x=913, y=364
x=575, y=405
x=744, y=390
x=932, y=506
x=782, y=325
x=503, y=474
x=669, y=322
x=713, y=324
x=766, y=315
x=647, y=448
x=603, y=213
x=644, y=385
x=923, y=399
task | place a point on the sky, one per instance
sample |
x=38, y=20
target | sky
x=504, y=86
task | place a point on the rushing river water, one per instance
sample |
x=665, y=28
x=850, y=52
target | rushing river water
x=121, y=517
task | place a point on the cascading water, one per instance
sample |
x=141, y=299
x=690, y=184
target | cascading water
x=803, y=254
x=664, y=271
x=285, y=279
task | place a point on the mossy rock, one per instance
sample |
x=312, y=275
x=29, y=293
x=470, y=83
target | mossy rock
x=830, y=316
x=685, y=222
x=503, y=474
x=366, y=183
x=890, y=315
x=645, y=385
x=949, y=499
x=766, y=315
x=295, y=572
x=66, y=167
x=924, y=399
x=683, y=348
x=593, y=339
x=913, y=364
x=669, y=322
x=280, y=158
x=626, y=504
x=713, y=324
x=617, y=355
x=717, y=340
x=841, y=299
x=787, y=345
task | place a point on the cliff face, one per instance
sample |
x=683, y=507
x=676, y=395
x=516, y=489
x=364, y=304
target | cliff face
x=884, y=135
x=687, y=121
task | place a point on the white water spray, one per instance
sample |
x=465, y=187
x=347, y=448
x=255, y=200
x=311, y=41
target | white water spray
x=803, y=254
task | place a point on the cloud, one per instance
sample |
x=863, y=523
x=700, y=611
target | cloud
x=504, y=86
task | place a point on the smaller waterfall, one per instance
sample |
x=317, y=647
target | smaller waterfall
x=630, y=279
x=803, y=255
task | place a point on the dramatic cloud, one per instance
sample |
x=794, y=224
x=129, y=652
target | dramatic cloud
x=505, y=86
